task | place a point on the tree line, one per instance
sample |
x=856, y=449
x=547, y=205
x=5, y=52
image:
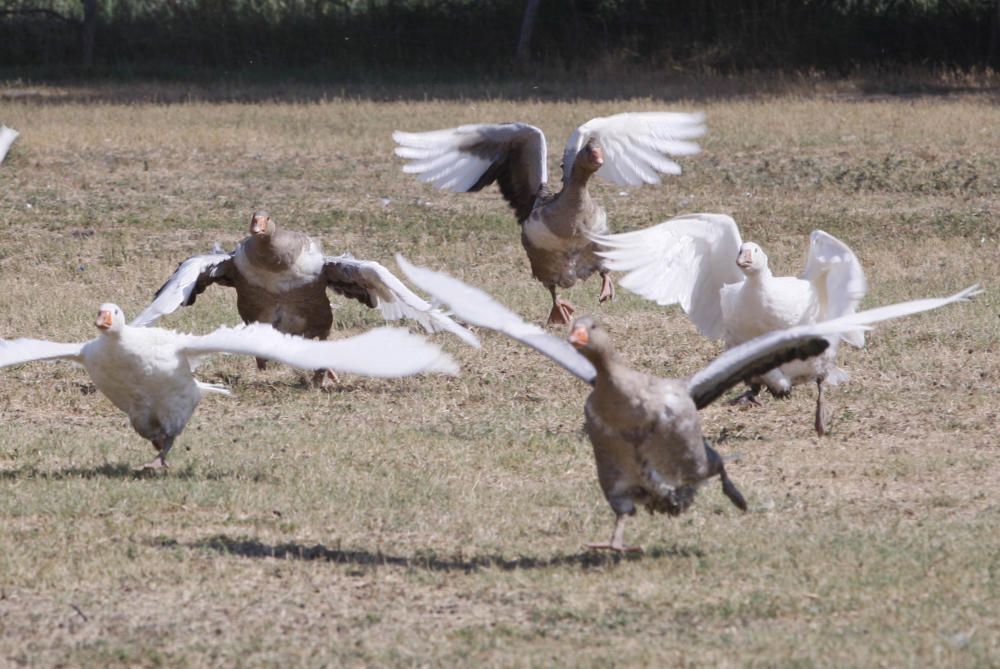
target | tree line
x=494, y=36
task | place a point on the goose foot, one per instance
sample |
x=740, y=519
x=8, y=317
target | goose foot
x=562, y=312
x=155, y=464
x=609, y=546
x=746, y=400
x=821, y=411
x=607, y=289
x=261, y=363
x=617, y=543
x=325, y=379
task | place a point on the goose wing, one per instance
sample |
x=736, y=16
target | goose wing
x=189, y=280
x=685, y=260
x=17, y=351
x=7, y=137
x=837, y=277
x=637, y=146
x=764, y=353
x=386, y=352
x=470, y=157
x=477, y=308
x=372, y=284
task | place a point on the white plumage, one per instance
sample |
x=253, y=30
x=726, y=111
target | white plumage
x=147, y=372
x=455, y=158
x=637, y=145
x=7, y=137
x=736, y=364
x=727, y=289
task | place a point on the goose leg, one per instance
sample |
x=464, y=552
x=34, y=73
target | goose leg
x=821, y=412
x=562, y=311
x=160, y=461
x=748, y=398
x=617, y=542
x=607, y=288
x=261, y=363
x=729, y=488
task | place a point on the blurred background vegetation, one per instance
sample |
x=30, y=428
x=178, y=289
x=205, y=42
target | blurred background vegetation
x=493, y=37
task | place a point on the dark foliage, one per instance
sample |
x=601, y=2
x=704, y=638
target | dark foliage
x=462, y=36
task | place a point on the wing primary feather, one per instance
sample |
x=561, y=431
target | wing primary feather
x=750, y=358
x=182, y=288
x=372, y=284
x=384, y=352
x=477, y=308
x=18, y=351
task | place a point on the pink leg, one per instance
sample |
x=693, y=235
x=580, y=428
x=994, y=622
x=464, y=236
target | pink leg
x=607, y=289
x=617, y=542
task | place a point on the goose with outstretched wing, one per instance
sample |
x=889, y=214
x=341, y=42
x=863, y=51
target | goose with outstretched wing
x=626, y=149
x=281, y=278
x=726, y=287
x=147, y=371
x=646, y=430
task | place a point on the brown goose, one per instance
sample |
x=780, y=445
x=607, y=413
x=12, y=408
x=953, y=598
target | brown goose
x=281, y=278
x=645, y=430
x=627, y=149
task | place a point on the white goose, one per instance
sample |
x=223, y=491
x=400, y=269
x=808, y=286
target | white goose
x=7, y=137
x=147, y=372
x=626, y=149
x=645, y=430
x=727, y=289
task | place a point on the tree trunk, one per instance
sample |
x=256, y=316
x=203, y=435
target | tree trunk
x=89, y=31
x=527, y=27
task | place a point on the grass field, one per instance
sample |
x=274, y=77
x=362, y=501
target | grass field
x=440, y=521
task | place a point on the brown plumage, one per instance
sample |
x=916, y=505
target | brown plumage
x=281, y=278
x=627, y=149
x=556, y=235
x=646, y=434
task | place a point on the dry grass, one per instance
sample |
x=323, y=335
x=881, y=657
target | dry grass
x=440, y=521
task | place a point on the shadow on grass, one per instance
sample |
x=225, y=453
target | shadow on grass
x=252, y=548
x=108, y=471
x=128, y=471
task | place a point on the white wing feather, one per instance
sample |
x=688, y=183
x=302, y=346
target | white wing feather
x=7, y=137
x=454, y=159
x=178, y=287
x=637, y=145
x=477, y=308
x=386, y=352
x=395, y=301
x=17, y=351
x=685, y=260
x=837, y=277
x=726, y=369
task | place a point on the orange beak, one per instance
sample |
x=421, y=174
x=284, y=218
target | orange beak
x=743, y=259
x=103, y=321
x=598, y=156
x=258, y=225
x=579, y=337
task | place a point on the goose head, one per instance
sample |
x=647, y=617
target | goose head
x=261, y=224
x=591, y=339
x=110, y=319
x=751, y=258
x=590, y=158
